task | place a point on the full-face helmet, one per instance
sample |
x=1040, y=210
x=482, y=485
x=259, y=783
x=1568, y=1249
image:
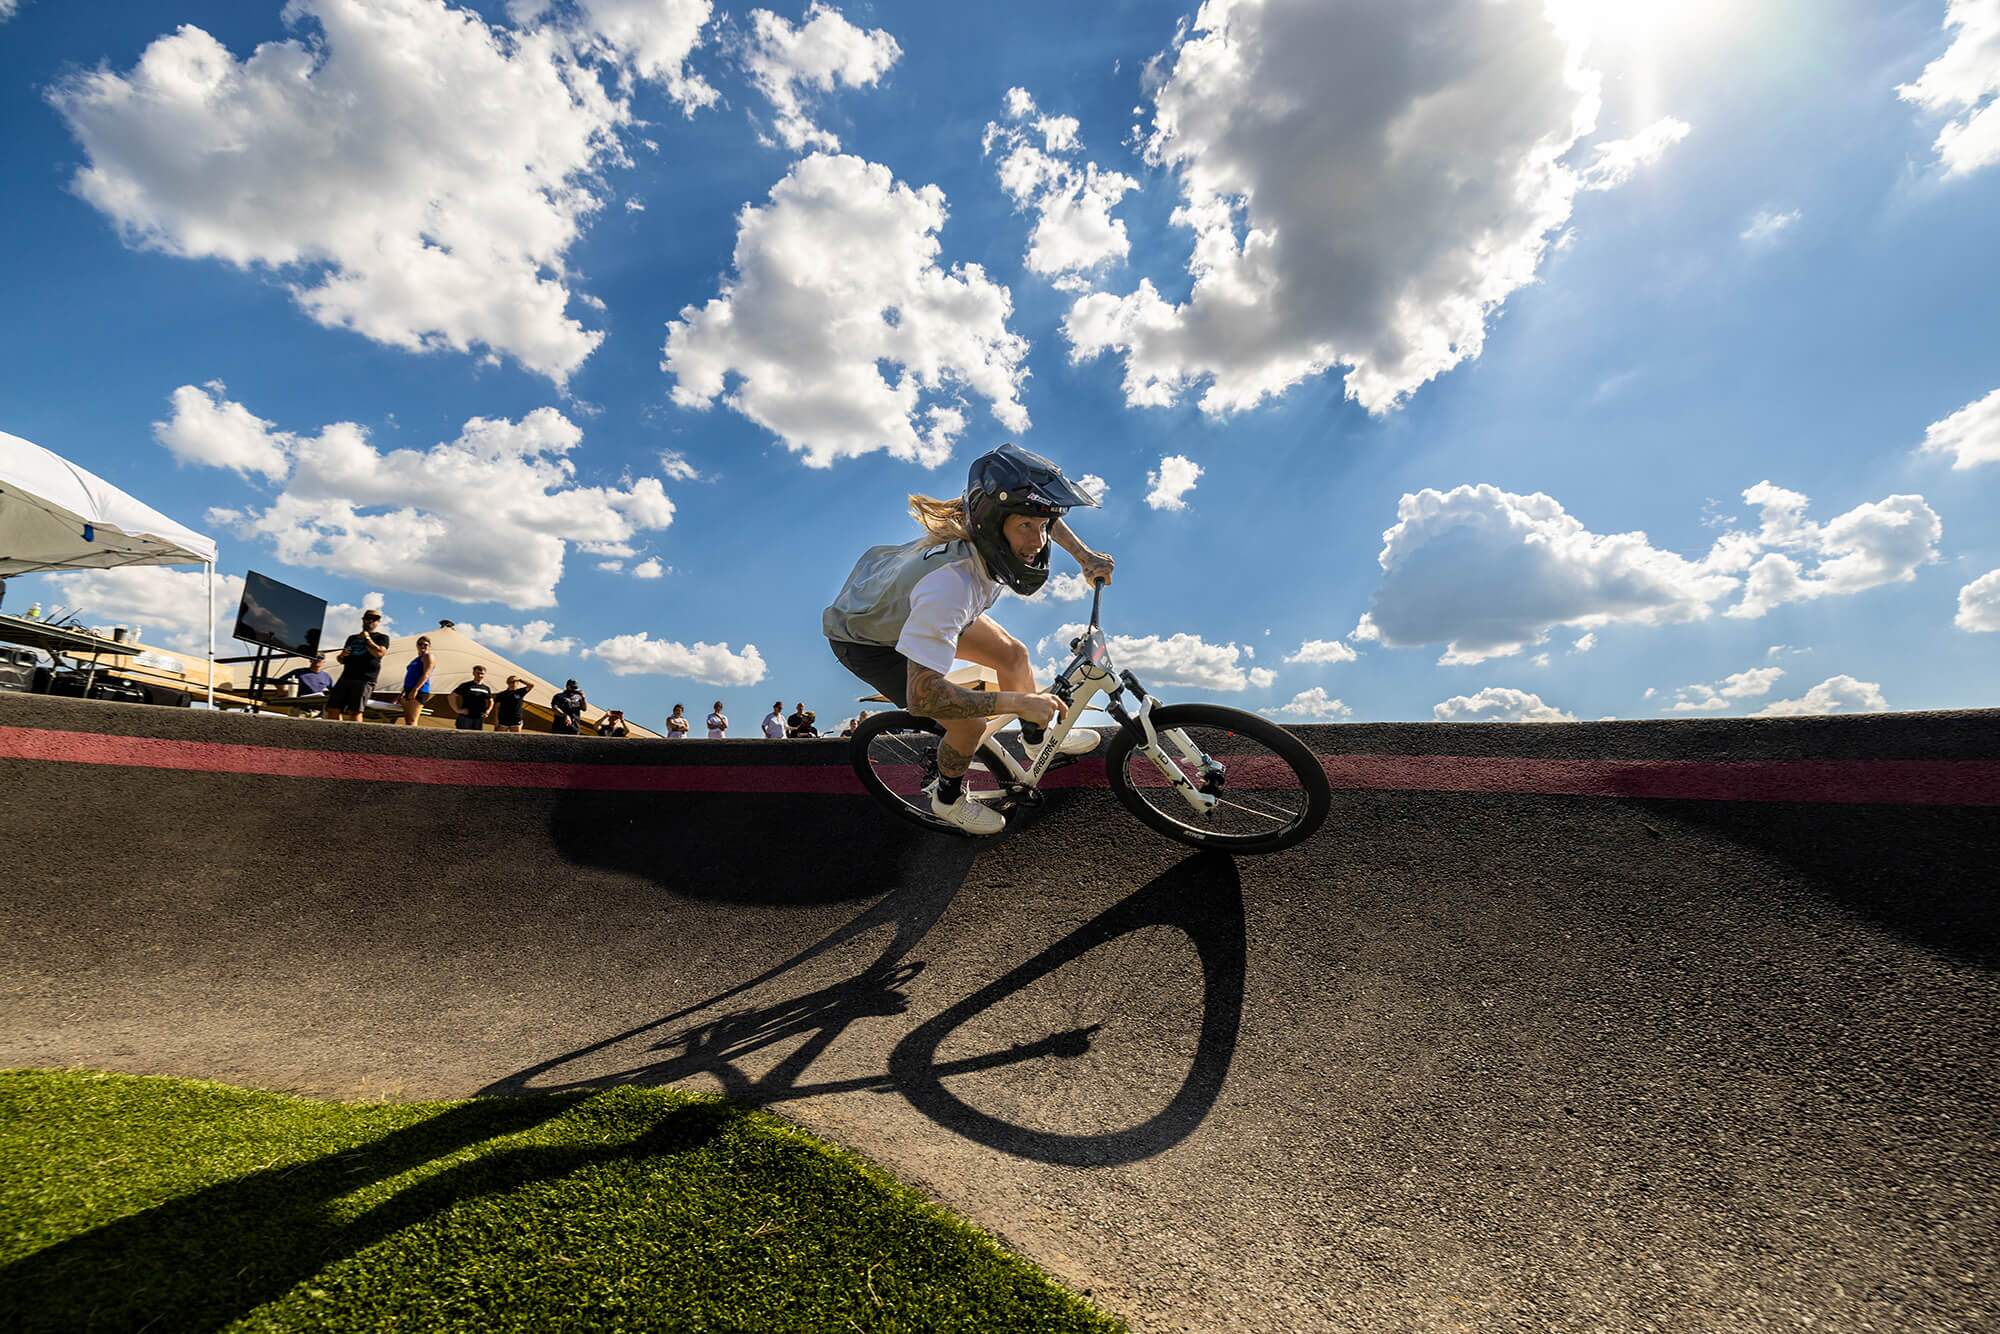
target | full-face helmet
x=1007, y=481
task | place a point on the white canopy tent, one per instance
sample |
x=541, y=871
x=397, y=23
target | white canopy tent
x=56, y=516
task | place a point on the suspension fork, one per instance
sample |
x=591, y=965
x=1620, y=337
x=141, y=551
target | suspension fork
x=1202, y=802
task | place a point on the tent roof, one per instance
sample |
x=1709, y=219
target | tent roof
x=57, y=516
x=453, y=654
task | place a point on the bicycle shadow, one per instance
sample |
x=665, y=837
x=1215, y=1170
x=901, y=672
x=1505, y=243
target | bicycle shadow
x=1200, y=896
x=279, y=1226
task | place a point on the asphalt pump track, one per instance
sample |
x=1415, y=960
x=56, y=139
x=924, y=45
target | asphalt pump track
x=1661, y=1025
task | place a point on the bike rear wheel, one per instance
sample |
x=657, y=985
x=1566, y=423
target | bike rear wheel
x=895, y=755
x=1270, y=790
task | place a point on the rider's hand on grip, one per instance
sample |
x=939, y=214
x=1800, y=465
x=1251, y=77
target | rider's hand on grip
x=1038, y=709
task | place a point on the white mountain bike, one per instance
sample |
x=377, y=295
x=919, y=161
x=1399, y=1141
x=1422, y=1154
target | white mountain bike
x=1207, y=775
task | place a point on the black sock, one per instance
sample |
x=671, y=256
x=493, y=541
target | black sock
x=1031, y=733
x=948, y=789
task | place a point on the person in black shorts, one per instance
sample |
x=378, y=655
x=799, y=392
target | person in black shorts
x=472, y=701
x=507, y=705
x=360, y=663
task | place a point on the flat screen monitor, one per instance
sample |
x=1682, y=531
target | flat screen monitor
x=279, y=616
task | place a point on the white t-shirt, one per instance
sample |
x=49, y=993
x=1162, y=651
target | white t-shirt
x=942, y=604
x=774, y=726
x=718, y=726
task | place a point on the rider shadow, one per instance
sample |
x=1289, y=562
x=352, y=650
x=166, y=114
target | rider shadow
x=1201, y=897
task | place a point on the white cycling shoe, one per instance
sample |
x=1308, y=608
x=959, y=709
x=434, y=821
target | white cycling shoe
x=1076, y=741
x=974, y=817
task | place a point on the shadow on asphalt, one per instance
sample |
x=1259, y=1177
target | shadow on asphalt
x=1200, y=896
x=831, y=849
x=1924, y=872
x=214, y=1256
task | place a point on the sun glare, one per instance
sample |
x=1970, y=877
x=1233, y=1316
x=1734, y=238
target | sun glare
x=1634, y=25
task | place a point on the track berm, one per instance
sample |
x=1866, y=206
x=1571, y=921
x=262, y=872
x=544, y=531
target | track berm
x=1663, y=1025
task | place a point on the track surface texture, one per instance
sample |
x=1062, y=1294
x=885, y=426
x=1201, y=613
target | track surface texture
x=1467, y=1060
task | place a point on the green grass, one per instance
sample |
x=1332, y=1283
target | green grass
x=164, y=1204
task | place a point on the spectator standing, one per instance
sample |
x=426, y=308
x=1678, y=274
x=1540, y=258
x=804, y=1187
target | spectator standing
x=568, y=708
x=810, y=727
x=417, y=682
x=613, y=724
x=677, y=724
x=774, y=722
x=718, y=723
x=360, y=663
x=507, y=705
x=472, y=701
x=795, y=724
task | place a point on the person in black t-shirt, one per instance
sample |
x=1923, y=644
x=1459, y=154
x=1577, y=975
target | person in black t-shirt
x=472, y=701
x=613, y=724
x=507, y=705
x=568, y=708
x=360, y=664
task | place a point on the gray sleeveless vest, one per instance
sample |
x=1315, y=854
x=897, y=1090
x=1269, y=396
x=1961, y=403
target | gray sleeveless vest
x=875, y=600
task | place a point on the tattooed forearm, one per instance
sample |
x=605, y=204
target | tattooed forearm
x=1063, y=536
x=951, y=761
x=931, y=696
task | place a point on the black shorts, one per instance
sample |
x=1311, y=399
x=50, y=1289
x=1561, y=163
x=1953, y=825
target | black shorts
x=349, y=693
x=877, y=664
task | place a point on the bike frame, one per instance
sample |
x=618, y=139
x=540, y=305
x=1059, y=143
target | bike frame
x=1090, y=673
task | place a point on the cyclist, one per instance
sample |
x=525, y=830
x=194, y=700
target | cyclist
x=908, y=610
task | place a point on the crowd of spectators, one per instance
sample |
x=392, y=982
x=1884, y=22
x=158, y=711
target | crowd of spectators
x=474, y=704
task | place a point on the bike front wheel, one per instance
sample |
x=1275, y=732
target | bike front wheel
x=1269, y=789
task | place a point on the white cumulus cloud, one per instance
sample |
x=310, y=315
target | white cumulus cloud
x=416, y=175
x=1168, y=485
x=836, y=277
x=1499, y=704
x=534, y=637
x=1322, y=650
x=484, y=517
x=1971, y=436
x=1365, y=184
x=1979, y=604
x=1071, y=198
x=650, y=568
x=1882, y=542
x=1836, y=694
x=788, y=63
x=161, y=605
x=715, y=664
x=1094, y=486
x=209, y=429
x=1489, y=573
x=1584, y=642
x=1964, y=85
x=1313, y=705
x=1751, y=684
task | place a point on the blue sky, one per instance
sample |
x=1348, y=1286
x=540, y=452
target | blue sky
x=1757, y=264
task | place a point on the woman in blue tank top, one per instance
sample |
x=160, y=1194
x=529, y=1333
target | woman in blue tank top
x=417, y=681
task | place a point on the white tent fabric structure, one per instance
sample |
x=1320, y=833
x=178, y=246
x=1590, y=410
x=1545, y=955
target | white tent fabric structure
x=57, y=516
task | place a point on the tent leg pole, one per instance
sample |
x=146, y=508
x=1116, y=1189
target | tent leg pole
x=211, y=635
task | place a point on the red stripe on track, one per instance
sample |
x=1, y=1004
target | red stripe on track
x=25, y=743
x=1833, y=782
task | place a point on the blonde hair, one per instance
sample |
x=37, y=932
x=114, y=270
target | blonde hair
x=941, y=520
